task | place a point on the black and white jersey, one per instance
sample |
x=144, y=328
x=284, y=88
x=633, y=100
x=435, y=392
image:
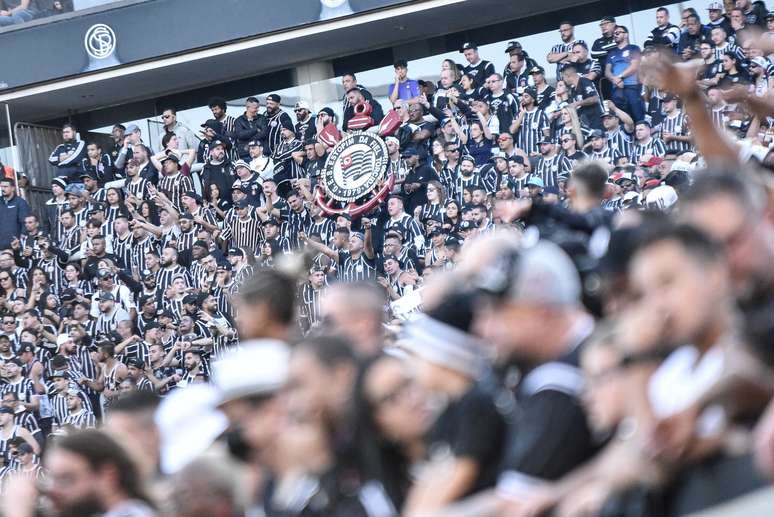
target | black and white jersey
x=676, y=125
x=185, y=240
x=298, y=222
x=355, y=270
x=83, y=419
x=667, y=36
x=324, y=228
x=654, y=146
x=479, y=71
x=138, y=251
x=516, y=185
x=285, y=167
x=589, y=66
x=553, y=170
x=607, y=155
x=463, y=182
x=531, y=131
x=448, y=178
x=108, y=322
x=23, y=388
x=563, y=47
x=144, y=384
x=138, y=188
x=70, y=239
x=601, y=47
x=620, y=141
x=166, y=275
x=505, y=107
x=410, y=229
x=174, y=186
x=244, y=233
x=728, y=48
x=429, y=210
x=26, y=420
x=59, y=405
x=310, y=305
x=137, y=350
x=122, y=248
x=276, y=122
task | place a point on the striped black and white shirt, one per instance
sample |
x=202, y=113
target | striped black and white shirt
x=122, y=248
x=410, y=229
x=607, y=155
x=23, y=388
x=166, y=275
x=138, y=251
x=563, y=47
x=728, y=48
x=530, y=132
x=676, y=125
x=298, y=222
x=324, y=228
x=620, y=141
x=654, y=146
x=83, y=419
x=309, y=302
x=463, y=182
x=355, y=270
x=174, y=186
x=276, y=122
x=553, y=170
x=138, y=189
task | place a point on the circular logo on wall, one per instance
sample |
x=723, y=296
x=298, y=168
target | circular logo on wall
x=100, y=41
x=355, y=166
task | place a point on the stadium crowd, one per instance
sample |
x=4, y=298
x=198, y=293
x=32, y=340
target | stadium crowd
x=563, y=307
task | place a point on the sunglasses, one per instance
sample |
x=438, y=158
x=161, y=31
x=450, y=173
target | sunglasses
x=565, y=140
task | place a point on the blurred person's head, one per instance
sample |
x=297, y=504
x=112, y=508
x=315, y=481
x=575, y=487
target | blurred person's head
x=732, y=208
x=356, y=312
x=321, y=374
x=266, y=306
x=90, y=473
x=680, y=275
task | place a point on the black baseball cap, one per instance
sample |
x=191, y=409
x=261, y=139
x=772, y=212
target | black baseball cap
x=468, y=46
x=596, y=133
x=271, y=220
x=517, y=158
x=104, y=296
x=214, y=125
x=242, y=203
x=537, y=70
x=136, y=362
x=6, y=410
x=236, y=252
x=512, y=45
x=25, y=346
x=191, y=299
x=274, y=97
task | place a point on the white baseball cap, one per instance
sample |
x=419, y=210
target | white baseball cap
x=662, y=197
x=256, y=368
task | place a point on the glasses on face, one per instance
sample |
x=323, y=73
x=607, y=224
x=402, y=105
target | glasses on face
x=565, y=140
x=453, y=150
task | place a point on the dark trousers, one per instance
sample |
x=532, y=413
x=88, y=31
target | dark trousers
x=629, y=99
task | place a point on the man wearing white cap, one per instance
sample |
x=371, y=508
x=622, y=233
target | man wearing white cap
x=306, y=129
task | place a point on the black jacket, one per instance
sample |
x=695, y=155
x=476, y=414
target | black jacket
x=247, y=130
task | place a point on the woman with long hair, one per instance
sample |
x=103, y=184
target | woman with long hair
x=453, y=215
x=449, y=64
x=390, y=420
x=439, y=157
x=480, y=144
x=219, y=204
x=115, y=208
x=436, y=196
